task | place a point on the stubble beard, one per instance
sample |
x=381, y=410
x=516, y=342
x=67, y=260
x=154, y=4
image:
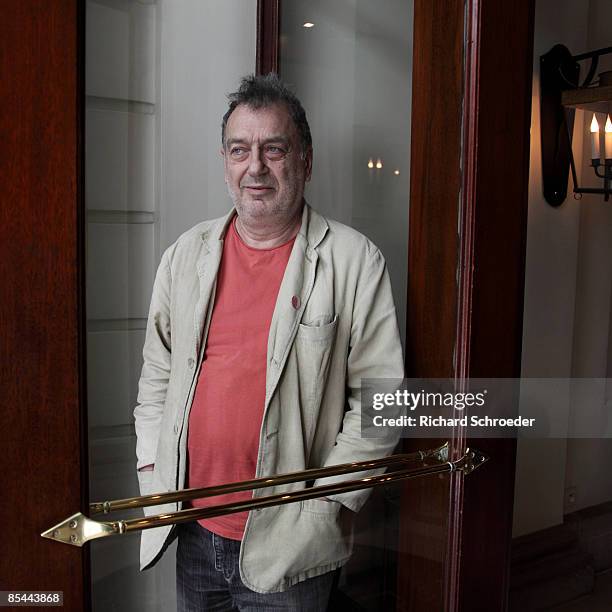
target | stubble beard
x=260, y=214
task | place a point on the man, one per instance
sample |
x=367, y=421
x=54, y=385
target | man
x=262, y=325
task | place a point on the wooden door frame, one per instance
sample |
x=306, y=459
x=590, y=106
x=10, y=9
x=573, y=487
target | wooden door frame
x=42, y=261
x=472, y=330
x=472, y=71
x=471, y=327
x=497, y=119
x=268, y=36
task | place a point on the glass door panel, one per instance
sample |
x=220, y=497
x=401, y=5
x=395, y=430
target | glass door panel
x=155, y=95
x=140, y=196
x=122, y=118
x=351, y=65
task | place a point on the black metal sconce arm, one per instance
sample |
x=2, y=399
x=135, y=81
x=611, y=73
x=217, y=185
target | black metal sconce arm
x=560, y=71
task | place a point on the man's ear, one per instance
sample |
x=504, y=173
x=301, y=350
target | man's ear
x=222, y=152
x=308, y=164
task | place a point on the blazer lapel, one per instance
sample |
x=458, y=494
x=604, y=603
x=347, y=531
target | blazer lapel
x=207, y=268
x=293, y=295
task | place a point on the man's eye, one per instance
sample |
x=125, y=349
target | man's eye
x=237, y=151
x=275, y=152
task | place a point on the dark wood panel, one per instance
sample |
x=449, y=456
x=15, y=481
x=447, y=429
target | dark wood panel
x=496, y=153
x=268, y=32
x=43, y=478
x=432, y=287
x=435, y=185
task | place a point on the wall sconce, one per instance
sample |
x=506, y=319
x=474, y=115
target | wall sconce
x=560, y=94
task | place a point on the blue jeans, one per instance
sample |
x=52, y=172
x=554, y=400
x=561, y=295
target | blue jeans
x=207, y=578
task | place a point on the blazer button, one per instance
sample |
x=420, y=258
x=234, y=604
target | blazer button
x=190, y=363
x=295, y=301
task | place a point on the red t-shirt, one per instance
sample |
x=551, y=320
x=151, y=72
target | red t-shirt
x=227, y=410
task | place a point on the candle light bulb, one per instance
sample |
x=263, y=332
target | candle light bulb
x=608, y=140
x=595, y=151
x=379, y=164
x=370, y=163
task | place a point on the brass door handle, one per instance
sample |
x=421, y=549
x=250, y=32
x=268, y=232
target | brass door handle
x=79, y=529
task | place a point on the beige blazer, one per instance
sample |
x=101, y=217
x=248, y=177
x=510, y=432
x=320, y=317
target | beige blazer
x=343, y=329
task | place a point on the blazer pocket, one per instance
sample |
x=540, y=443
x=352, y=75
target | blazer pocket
x=313, y=350
x=320, y=330
x=145, y=481
x=325, y=509
x=314, y=346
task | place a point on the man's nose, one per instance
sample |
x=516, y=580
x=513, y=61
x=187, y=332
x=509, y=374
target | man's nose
x=257, y=164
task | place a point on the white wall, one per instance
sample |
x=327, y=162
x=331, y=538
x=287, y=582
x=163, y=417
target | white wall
x=567, y=294
x=587, y=459
x=550, y=286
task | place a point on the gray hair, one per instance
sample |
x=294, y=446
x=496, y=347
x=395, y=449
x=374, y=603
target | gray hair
x=261, y=91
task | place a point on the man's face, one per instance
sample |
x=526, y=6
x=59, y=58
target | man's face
x=264, y=168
